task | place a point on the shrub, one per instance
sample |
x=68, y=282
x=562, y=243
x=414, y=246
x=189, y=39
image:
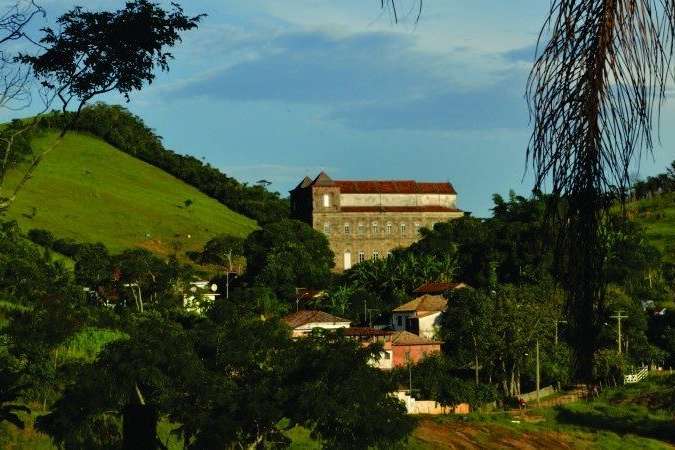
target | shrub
x=41, y=237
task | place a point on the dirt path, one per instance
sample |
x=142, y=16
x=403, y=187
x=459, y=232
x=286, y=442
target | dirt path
x=458, y=435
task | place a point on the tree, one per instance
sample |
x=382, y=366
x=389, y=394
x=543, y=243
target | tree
x=286, y=255
x=343, y=399
x=10, y=389
x=94, y=53
x=221, y=249
x=593, y=112
x=466, y=327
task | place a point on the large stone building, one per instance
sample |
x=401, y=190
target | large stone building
x=368, y=219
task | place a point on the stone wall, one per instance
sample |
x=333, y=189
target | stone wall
x=355, y=233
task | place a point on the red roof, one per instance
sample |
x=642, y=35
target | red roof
x=413, y=209
x=393, y=187
x=365, y=331
x=438, y=288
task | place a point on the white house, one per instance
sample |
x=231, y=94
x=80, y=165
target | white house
x=420, y=316
x=304, y=321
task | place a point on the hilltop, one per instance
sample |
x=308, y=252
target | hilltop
x=657, y=215
x=90, y=191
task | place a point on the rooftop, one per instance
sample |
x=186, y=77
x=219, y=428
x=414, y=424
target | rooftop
x=424, y=303
x=436, y=288
x=305, y=316
x=408, y=338
x=379, y=186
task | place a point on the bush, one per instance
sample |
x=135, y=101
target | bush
x=41, y=237
x=66, y=246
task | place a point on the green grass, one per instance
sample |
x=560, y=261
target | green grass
x=87, y=343
x=657, y=215
x=87, y=190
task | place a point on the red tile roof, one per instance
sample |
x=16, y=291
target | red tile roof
x=438, y=288
x=303, y=317
x=393, y=187
x=413, y=209
x=365, y=331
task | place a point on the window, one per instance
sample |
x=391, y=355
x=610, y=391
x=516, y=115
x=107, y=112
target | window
x=347, y=260
x=347, y=230
x=417, y=229
x=388, y=227
x=386, y=355
x=326, y=200
x=376, y=255
x=362, y=228
x=362, y=256
x=326, y=228
x=375, y=228
x=399, y=321
x=402, y=229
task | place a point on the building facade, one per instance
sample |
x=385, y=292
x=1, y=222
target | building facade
x=368, y=219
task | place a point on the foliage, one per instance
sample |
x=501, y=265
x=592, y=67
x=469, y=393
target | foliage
x=385, y=283
x=120, y=128
x=10, y=391
x=344, y=400
x=132, y=39
x=218, y=249
x=286, y=255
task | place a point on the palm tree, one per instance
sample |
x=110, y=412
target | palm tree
x=596, y=86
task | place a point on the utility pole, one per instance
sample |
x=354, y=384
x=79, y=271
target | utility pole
x=538, y=404
x=618, y=318
x=227, y=277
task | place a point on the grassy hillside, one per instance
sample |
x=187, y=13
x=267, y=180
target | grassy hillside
x=658, y=217
x=89, y=191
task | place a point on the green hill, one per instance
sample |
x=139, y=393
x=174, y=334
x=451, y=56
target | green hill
x=89, y=191
x=657, y=215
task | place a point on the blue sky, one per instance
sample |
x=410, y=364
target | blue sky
x=280, y=89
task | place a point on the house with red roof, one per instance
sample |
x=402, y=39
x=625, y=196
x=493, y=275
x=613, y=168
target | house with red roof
x=399, y=348
x=367, y=219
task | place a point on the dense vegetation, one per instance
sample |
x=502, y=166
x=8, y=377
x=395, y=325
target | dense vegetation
x=118, y=127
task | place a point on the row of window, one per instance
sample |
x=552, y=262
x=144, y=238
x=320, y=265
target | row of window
x=361, y=256
x=375, y=228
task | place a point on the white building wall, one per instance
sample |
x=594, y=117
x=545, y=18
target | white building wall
x=429, y=324
x=308, y=327
x=446, y=200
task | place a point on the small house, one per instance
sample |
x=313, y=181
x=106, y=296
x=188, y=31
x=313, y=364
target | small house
x=420, y=316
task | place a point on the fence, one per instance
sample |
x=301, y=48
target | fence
x=543, y=392
x=636, y=377
x=414, y=406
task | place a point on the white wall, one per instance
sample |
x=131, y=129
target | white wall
x=446, y=200
x=429, y=324
x=306, y=328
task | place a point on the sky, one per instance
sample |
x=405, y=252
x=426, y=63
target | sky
x=280, y=89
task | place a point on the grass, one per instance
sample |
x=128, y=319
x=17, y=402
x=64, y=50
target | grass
x=87, y=343
x=634, y=416
x=87, y=190
x=657, y=215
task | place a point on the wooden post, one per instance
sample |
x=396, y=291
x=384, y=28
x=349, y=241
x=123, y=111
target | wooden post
x=538, y=404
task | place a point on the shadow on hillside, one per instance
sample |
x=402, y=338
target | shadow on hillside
x=620, y=420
